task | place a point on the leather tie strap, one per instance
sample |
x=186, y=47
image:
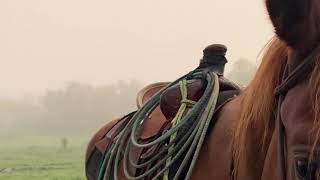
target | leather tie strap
x=290, y=79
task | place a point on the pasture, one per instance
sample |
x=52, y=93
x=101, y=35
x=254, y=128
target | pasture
x=42, y=158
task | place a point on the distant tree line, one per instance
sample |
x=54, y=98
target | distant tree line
x=79, y=109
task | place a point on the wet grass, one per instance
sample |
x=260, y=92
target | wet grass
x=24, y=158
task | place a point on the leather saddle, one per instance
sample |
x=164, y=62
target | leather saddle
x=161, y=117
x=171, y=101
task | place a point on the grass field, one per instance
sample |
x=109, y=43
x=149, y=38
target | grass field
x=41, y=158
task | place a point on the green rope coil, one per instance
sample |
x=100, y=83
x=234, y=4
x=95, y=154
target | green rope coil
x=177, y=141
x=185, y=103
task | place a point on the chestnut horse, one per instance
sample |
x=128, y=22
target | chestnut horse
x=230, y=136
x=251, y=140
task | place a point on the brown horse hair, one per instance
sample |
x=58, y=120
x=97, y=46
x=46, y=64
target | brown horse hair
x=314, y=81
x=297, y=23
x=314, y=85
x=253, y=131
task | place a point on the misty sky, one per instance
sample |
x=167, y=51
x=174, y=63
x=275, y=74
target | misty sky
x=45, y=43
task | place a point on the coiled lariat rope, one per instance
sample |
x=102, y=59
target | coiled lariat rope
x=185, y=104
x=185, y=137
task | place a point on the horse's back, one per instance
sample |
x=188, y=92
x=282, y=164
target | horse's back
x=215, y=161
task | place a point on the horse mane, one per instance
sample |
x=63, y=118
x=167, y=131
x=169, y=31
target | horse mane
x=253, y=131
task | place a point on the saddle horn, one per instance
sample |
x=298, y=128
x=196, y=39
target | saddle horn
x=214, y=58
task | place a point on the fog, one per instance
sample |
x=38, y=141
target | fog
x=68, y=66
x=44, y=44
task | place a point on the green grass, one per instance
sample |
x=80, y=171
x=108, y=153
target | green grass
x=41, y=158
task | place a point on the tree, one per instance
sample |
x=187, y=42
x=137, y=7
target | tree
x=242, y=72
x=76, y=109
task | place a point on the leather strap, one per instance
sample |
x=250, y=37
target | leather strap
x=298, y=74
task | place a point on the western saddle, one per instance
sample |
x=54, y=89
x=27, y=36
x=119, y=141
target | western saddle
x=213, y=60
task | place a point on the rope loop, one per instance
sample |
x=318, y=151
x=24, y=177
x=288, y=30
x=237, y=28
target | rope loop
x=188, y=102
